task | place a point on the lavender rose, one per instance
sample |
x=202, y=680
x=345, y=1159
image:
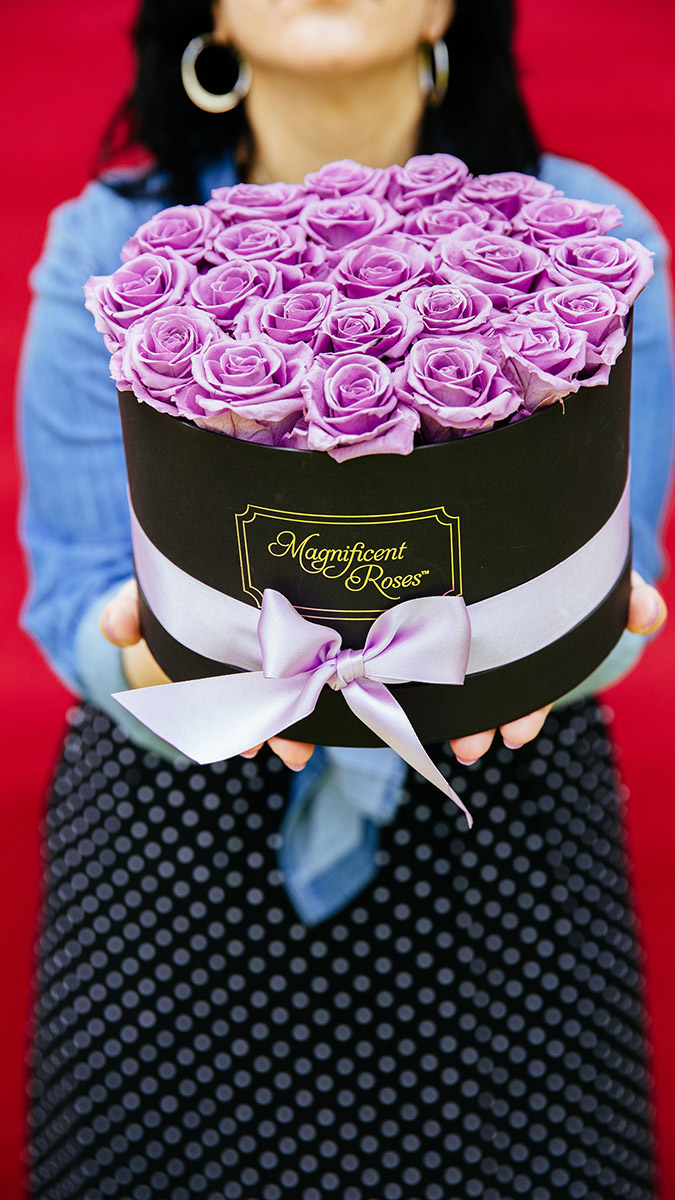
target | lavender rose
x=156, y=360
x=543, y=223
x=384, y=266
x=451, y=308
x=542, y=357
x=225, y=290
x=595, y=310
x=505, y=192
x=293, y=317
x=352, y=409
x=625, y=267
x=376, y=327
x=249, y=390
x=426, y=179
x=264, y=241
x=336, y=223
x=134, y=290
x=347, y=178
x=499, y=265
x=428, y=224
x=185, y=230
x=280, y=202
x=455, y=384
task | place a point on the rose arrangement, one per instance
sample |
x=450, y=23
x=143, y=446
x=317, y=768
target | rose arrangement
x=368, y=311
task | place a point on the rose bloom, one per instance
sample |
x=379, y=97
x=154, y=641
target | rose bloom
x=426, y=225
x=545, y=222
x=542, y=357
x=455, y=384
x=344, y=177
x=184, y=230
x=295, y=316
x=344, y=220
x=265, y=241
x=426, y=179
x=134, y=290
x=280, y=202
x=250, y=390
x=498, y=265
x=227, y=289
x=352, y=409
x=625, y=267
x=505, y=192
x=384, y=266
x=451, y=308
x=156, y=360
x=593, y=309
x=379, y=327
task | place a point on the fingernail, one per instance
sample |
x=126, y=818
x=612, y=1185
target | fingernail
x=106, y=622
x=648, y=624
x=248, y=753
x=466, y=762
x=513, y=745
x=292, y=768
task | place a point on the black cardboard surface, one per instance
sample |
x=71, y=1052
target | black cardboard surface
x=343, y=541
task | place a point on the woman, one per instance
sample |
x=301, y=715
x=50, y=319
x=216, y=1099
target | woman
x=452, y=1014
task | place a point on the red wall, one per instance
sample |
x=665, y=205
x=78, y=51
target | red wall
x=599, y=77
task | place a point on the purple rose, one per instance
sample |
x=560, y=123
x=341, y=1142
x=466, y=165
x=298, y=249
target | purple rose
x=293, y=317
x=543, y=223
x=295, y=437
x=429, y=224
x=592, y=309
x=225, y=290
x=340, y=222
x=239, y=383
x=455, y=384
x=264, y=241
x=135, y=289
x=451, y=308
x=156, y=360
x=505, y=192
x=347, y=178
x=385, y=266
x=498, y=265
x=279, y=202
x=352, y=409
x=377, y=327
x=426, y=179
x=625, y=267
x=542, y=357
x=185, y=230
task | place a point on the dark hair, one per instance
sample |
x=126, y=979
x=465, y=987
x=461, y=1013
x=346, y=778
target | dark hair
x=482, y=120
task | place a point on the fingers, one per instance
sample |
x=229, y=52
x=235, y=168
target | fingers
x=647, y=609
x=120, y=621
x=516, y=733
x=467, y=749
x=294, y=755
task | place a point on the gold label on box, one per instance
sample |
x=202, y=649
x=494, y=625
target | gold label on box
x=349, y=567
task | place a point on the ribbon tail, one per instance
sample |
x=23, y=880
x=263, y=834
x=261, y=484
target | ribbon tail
x=214, y=718
x=375, y=705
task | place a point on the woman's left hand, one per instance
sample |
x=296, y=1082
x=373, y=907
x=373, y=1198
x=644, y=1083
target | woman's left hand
x=646, y=614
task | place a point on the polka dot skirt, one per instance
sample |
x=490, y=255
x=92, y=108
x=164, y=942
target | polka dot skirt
x=470, y=1026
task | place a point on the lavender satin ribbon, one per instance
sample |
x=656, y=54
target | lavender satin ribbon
x=427, y=640
x=288, y=660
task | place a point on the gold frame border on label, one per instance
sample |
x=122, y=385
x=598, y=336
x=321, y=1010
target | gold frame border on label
x=422, y=514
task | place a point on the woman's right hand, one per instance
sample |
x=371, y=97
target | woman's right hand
x=120, y=624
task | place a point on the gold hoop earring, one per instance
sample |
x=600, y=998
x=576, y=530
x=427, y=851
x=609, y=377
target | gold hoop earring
x=211, y=101
x=434, y=71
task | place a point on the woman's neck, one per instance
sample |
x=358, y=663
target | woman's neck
x=299, y=126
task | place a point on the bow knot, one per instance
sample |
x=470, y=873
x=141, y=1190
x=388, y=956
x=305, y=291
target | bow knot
x=349, y=665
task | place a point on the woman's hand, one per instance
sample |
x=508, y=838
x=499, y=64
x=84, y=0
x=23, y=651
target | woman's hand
x=120, y=623
x=647, y=613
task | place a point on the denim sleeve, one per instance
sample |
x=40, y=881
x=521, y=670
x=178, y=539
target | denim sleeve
x=74, y=519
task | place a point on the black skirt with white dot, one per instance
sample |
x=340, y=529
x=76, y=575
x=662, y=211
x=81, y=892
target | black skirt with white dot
x=470, y=1026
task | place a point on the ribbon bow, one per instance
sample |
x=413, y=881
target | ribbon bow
x=426, y=640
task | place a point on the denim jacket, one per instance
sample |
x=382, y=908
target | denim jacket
x=74, y=520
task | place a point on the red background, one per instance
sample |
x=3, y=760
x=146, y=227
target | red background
x=599, y=78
